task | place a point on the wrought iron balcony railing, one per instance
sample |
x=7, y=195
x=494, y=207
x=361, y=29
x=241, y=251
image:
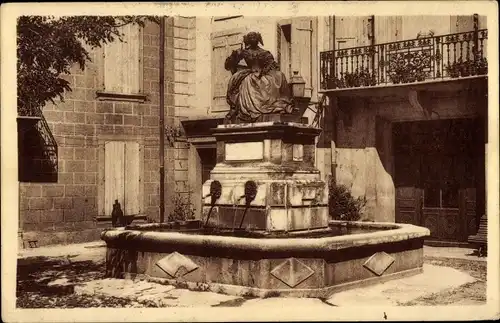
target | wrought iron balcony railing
x=408, y=61
x=38, y=151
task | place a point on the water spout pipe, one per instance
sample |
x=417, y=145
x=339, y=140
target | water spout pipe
x=250, y=194
x=215, y=193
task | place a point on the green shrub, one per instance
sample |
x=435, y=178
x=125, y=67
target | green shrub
x=342, y=205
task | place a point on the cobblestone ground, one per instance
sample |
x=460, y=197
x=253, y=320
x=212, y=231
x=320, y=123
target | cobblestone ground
x=59, y=282
x=73, y=282
x=468, y=294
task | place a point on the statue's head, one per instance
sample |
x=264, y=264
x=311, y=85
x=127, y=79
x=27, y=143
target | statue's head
x=252, y=39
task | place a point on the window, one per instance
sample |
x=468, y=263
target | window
x=446, y=197
x=122, y=177
x=223, y=43
x=285, y=49
x=122, y=63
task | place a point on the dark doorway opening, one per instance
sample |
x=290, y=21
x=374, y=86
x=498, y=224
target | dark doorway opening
x=208, y=158
x=440, y=175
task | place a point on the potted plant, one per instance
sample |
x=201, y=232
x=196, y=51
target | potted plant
x=453, y=69
x=465, y=68
x=482, y=66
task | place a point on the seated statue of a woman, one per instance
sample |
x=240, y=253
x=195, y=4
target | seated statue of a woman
x=258, y=89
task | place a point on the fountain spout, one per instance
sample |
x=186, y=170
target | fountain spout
x=215, y=194
x=250, y=194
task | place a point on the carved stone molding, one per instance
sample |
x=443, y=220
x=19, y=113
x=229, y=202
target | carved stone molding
x=177, y=265
x=292, y=272
x=379, y=263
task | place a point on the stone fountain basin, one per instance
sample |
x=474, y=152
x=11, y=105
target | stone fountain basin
x=294, y=264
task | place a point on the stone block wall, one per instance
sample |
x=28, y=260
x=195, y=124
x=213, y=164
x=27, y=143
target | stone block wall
x=66, y=211
x=180, y=68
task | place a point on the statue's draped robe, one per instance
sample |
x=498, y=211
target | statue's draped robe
x=259, y=89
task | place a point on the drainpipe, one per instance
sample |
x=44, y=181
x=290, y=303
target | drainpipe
x=333, y=109
x=162, y=119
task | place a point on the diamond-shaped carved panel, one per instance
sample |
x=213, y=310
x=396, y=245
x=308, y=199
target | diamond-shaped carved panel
x=176, y=265
x=379, y=262
x=292, y=272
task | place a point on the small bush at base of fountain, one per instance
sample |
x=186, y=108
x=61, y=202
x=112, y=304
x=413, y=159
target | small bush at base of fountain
x=342, y=205
x=183, y=209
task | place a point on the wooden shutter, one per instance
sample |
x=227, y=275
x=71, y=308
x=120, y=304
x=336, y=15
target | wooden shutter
x=352, y=31
x=122, y=67
x=279, y=45
x=114, y=174
x=302, y=28
x=133, y=60
x=223, y=43
x=388, y=29
x=132, y=179
x=284, y=44
x=459, y=24
x=413, y=25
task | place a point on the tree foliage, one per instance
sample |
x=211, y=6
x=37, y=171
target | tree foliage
x=48, y=47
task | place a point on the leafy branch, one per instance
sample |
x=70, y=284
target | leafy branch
x=48, y=47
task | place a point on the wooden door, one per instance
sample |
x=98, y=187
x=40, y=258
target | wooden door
x=408, y=205
x=122, y=177
x=132, y=179
x=437, y=158
x=114, y=174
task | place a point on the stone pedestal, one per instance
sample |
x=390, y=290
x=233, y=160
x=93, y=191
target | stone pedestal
x=265, y=175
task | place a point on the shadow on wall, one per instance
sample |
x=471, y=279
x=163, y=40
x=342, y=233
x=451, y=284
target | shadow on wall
x=364, y=158
x=37, y=161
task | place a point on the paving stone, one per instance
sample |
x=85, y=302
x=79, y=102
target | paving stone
x=451, y=252
x=433, y=280
x=59, y=282
x=126, y=288
x=184, y=297
x=286, y=302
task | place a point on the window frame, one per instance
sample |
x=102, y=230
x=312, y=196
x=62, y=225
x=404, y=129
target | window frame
x=106, y=95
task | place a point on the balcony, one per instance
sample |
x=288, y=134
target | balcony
x=37, y=148
x=425, y=59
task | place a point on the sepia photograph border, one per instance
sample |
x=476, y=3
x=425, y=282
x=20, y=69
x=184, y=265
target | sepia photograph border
x=10, y=192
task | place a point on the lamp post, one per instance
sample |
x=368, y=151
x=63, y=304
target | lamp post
x=298, y=85
x=298, y=89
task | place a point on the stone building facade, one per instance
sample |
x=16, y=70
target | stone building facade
x=107, y=135
x=107, y=128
